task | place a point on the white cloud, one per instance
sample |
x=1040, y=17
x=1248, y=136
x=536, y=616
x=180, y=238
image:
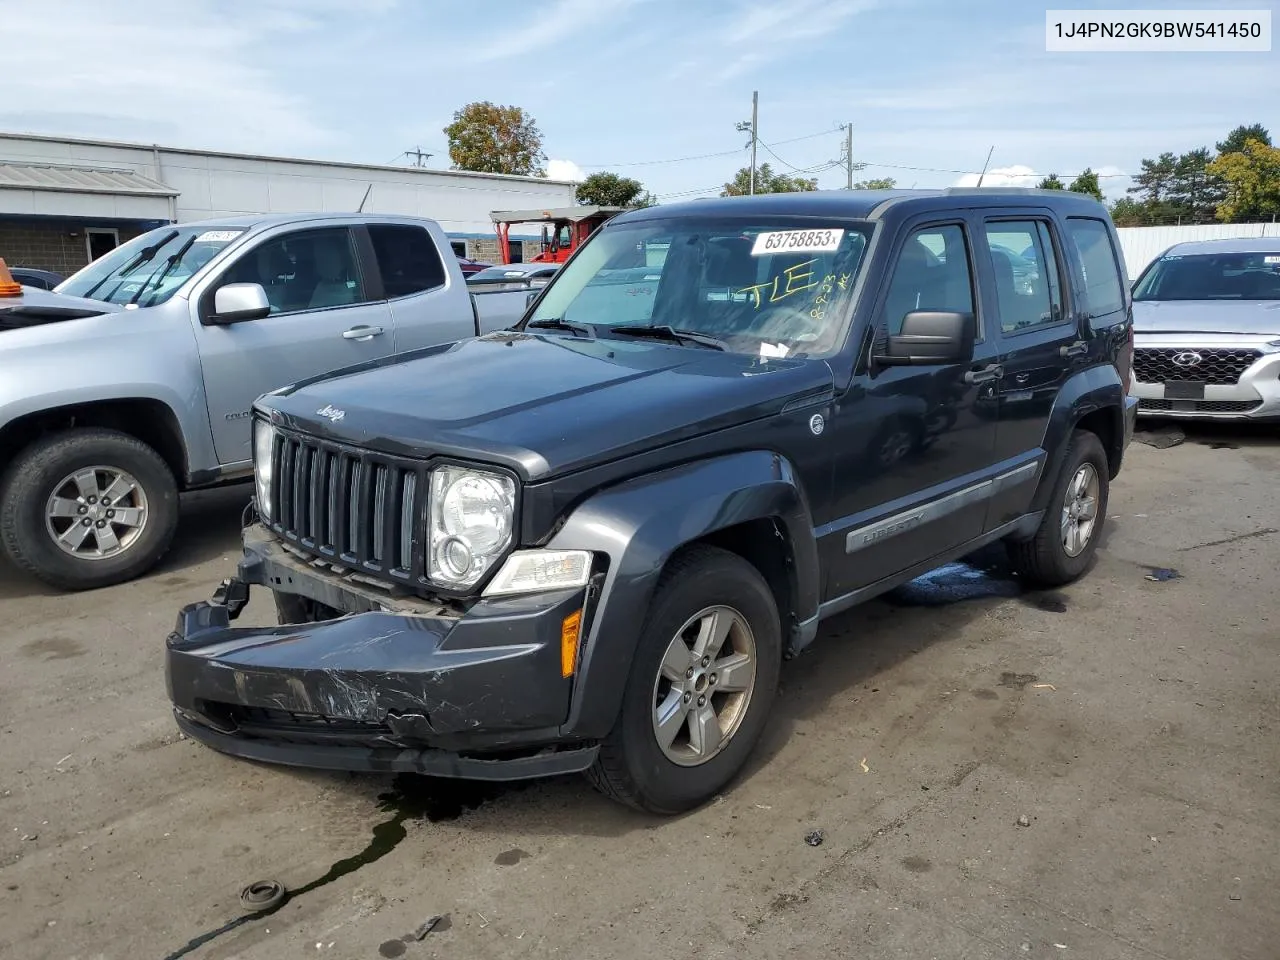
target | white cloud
x=1017, y=175
x=565, y=170
x=537, y=33
x=185, y=75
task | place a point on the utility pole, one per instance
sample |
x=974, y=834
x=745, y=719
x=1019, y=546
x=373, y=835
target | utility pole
x=418, y=155
x=755, y=135
x=848, y=155
x=984, y=166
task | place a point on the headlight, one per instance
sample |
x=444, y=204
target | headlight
x=264, y=437
x=529, y=571
x=472, y=512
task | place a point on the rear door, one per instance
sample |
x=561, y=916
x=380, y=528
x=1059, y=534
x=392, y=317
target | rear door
x=426, y=309
x=1038, y=325
x=324, y=315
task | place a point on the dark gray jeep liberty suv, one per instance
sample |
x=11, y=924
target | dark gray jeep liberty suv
x=588, y=542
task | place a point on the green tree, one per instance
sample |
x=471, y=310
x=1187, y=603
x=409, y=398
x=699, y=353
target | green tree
x=610, y=190
x=1241, y=135
x=766, y=182
x=1154, y=184
x=1252, y=180
x=1051, y=182
x=876, y=183
x=488, y=138
x=1193, y=192
x=1128, y=212
x=1087, y=182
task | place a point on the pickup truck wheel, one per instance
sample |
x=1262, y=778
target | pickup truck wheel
x=87, y=508
x=1064, y=545
x=701, y=686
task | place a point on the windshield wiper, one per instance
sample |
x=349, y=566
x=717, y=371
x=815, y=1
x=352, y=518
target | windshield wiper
x=164, y=271
x=672, y=334
x=145, y=254
x=558, y=323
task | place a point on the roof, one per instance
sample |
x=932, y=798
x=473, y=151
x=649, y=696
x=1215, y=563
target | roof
x=59, y=179
x=189, y=151
x=1227, y=245
x=573, y=214
x=863, y=204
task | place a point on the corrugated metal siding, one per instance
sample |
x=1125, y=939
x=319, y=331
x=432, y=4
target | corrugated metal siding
x=1141, y=245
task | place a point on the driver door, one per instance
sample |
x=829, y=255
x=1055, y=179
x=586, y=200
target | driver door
x=324, y=316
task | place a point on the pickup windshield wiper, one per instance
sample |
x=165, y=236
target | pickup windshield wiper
x=557, y=323
x=672, y=334
x=164, y=271
x=145, y=254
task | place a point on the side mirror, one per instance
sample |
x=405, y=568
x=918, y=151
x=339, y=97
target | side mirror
x=930, y=338
x=238, y=302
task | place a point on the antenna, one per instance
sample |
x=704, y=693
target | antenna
x=360, y=209
x=984, y=165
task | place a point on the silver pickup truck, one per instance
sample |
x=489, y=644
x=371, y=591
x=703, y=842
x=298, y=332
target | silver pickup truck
x=133, y=380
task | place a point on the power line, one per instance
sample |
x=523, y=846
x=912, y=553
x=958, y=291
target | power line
x=701, y=156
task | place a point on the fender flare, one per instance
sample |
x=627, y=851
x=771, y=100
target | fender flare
x=1083, y=394
x=639, y=524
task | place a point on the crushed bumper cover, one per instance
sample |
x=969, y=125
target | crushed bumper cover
x=479, y=696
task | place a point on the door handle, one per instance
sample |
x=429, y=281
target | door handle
x=992, y=371
x=361, y=332
x=1075, y=349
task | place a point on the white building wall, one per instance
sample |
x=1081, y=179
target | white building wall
x=218, y=184
x=1141, y=245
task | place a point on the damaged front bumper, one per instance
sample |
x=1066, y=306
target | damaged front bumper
x=400, y=687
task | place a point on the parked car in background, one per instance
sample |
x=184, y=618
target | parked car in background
x=134, y=380
x=587, y=543
x=33, y=277
x=1207, y=331
x=469, y=266
x=527, y=275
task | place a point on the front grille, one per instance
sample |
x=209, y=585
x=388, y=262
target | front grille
x=309, y=728
x=1222, y=367
x=1198, y=406
x=356, y=508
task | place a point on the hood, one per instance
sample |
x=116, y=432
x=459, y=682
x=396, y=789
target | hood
x=1261, y=317
x=544, y=405
x=35, y=307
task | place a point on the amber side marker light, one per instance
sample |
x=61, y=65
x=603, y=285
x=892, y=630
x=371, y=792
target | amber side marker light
x=8, y=286
x=570, y=633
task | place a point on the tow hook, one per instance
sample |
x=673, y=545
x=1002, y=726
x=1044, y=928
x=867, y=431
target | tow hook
x=232, y=593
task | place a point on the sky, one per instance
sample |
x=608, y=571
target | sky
x=651, y=89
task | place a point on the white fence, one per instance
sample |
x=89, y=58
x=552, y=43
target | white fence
x=1141, y=245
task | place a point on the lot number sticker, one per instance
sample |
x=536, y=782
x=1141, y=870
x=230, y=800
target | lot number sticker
x=218, y=236
x=797, y=241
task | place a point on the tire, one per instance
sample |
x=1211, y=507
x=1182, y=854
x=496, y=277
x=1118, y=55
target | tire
x=37, y=474
x=1044, y=560
x=633, y=767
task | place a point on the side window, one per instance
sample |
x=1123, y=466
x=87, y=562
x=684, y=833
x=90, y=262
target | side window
x=1028, y=290
x=1104, y=291
x=305, y=270
x=407, y=258
x=932, y=273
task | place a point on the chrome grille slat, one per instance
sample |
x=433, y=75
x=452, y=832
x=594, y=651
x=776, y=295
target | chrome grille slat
x=1218, y=366
x=357, y=507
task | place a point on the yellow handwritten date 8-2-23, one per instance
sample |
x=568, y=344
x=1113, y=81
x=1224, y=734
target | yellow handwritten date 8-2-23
x=796, y=241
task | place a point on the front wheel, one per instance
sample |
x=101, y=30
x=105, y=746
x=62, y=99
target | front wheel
x=1064, y=545
x=87, y=507
x=701, y=686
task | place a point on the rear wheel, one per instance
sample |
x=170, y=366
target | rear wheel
x=1067, y=539
x=701, y=686
x=87, y=508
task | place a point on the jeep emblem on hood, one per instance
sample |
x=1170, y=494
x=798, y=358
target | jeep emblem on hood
x=332, y=413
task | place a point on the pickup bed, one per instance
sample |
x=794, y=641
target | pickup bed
x=134, y=379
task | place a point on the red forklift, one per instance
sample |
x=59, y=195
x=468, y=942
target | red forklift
x=563, y=230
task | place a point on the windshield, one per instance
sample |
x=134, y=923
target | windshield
x=149, y=269
x=762, y=288
x=1215, y=276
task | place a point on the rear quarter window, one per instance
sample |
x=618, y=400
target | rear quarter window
x=1099, y=272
